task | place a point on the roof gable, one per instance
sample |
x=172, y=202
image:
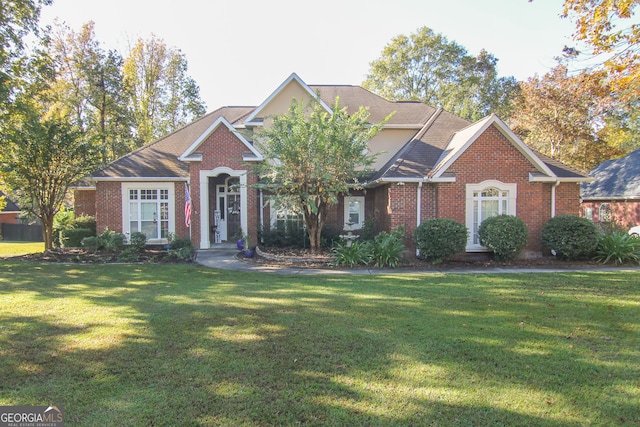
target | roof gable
x=293, y=79
x=464, y=138
x=191, y=155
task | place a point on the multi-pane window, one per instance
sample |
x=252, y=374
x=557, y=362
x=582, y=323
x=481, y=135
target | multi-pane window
x=487, y=203
x=149, y=212
x=484, y=200
x=353, y=212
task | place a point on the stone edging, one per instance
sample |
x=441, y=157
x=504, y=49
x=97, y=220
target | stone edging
x=281, y=258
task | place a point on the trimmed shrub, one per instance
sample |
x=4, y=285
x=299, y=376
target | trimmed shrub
x=137, y=242
x=619, y=248
x=570, y=237
x=90, y=243
x=440, y=239
x=505, y=235
x=72, y=237
x=86, y=221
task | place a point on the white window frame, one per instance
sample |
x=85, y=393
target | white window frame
x=171, y=200
x=347, y=202
x=511, y=197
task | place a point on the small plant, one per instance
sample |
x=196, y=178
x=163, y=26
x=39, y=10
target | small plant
x=359, y=253
x=441, y=238
x=505, y=235
x=111, y=241
x=137, y=242
x=571, y=237
x=618, y=247
x=129, y=254
x=387, y=248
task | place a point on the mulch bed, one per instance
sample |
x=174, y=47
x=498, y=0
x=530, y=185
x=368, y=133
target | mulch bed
x=79, y=256
x=296, y=257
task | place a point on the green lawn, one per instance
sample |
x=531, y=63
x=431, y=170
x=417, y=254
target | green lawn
x=9, y=248
x=184, y=345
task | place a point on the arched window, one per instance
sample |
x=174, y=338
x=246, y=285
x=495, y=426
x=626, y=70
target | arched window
x=604, y=212
x=484, y=200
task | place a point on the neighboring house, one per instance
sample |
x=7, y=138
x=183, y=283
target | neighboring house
x=431, y=164
x=614, y=195
x=11, y=212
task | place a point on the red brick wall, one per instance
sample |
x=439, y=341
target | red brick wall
x=624, y=213
x=108, y=206
x=9, y=217
x=493, y=157
x=85, y=202
x=222, y=148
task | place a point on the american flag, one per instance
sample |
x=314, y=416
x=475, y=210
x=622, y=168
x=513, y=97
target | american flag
x=187, y=206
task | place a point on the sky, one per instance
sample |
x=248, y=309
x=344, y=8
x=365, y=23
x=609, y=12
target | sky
x=240, y=52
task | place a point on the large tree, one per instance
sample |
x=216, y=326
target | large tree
x=18, y=18
x=565, y=116
x=162, y=96
x=312, y=156
x=43, y=156
x=611, y=33
x=89, y=88
x=427, y=67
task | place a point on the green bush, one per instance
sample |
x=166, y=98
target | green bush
x=619, y=248
x=111, y=241
x=505, y=235
x=72, y=237
x=387, y=249
x=137, y=242
x=179, y=243
x=441, y=238
x=85, y=221
x=359, y=253
x=570, y=237
x=90, y=243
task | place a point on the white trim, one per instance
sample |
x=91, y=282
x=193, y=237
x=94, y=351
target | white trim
x=469, y=212
x=347, y=201
x=143, y=178
x=205, y=243
x=124, y=189
x=292, y=77
x=187, y=155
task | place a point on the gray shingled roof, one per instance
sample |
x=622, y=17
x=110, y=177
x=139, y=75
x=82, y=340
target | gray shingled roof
x=11, y=206
x=160, y=158
x=615, y=179
x=415, y=159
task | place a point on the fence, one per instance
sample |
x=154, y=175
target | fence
x=22, y=232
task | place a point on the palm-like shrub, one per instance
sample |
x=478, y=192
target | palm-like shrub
x=387, y=248
x=619, y=248
x=505, y=235
x=359, y=253
x=440, y=239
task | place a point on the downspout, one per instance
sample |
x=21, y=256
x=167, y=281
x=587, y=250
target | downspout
x=418, y=210
x=260, y=197
x=553, y=198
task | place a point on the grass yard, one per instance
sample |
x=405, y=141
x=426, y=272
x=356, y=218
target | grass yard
x=183, y=345
x=9, y=248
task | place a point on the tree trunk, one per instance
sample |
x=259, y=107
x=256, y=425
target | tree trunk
x=47, y=232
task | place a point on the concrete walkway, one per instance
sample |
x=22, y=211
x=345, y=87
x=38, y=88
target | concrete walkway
x=230, y=259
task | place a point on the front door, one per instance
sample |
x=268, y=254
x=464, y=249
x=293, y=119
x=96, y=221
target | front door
x=228, y=209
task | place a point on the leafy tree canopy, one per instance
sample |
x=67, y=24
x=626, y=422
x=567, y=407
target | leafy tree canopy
x=427, y=67
x=312, y=156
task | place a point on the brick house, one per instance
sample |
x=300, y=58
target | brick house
x=10, y=214
x=431, y=164
x=614, y=195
